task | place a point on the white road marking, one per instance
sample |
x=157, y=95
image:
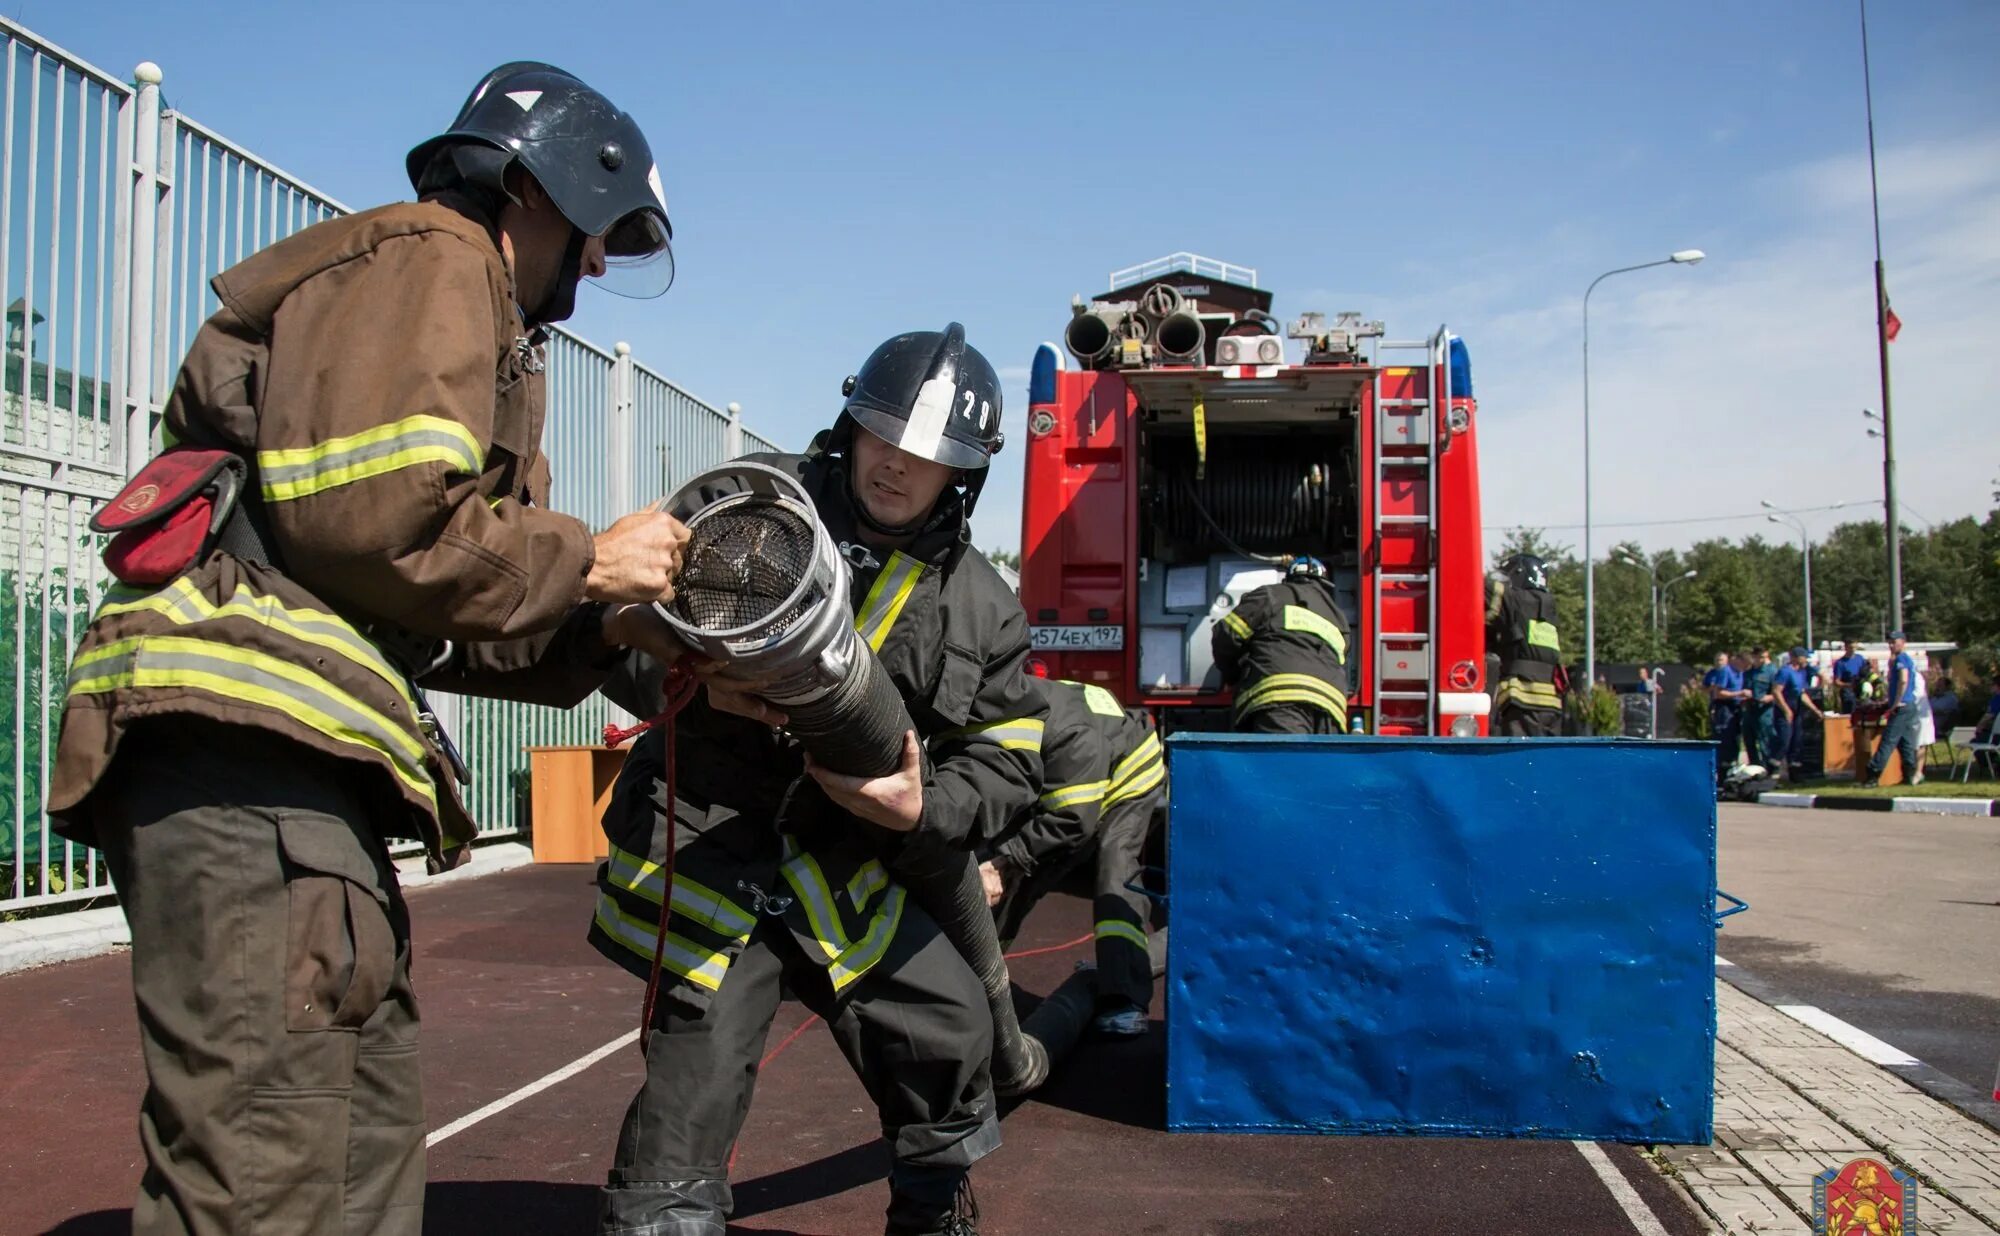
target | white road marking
x=532, y=1089
x=1860, y=1042
x=1643, y=1220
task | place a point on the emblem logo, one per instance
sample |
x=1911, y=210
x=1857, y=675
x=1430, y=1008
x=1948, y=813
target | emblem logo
x=139, y=499
x=1864, y=1198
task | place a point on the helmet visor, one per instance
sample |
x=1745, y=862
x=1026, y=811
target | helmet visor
x=638, y=256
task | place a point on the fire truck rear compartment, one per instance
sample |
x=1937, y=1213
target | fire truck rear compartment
x=1272, y=473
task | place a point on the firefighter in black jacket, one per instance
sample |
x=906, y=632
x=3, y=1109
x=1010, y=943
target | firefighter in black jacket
x=1521, y=630
x=1283, y=650
x=1103, y=773
x=773, y=884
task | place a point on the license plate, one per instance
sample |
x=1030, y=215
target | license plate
x=1077, y=639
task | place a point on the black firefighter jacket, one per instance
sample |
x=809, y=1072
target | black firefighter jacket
x=756, y=837
x=1286, y=643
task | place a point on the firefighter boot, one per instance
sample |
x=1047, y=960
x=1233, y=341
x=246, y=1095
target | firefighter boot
x=664, y=1208
x=931, y=1201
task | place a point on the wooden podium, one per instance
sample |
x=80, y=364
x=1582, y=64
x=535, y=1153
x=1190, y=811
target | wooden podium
x=1867, y=735
x=570, y=788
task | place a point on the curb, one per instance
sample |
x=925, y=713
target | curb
x=55, y=938
x=1907, y=806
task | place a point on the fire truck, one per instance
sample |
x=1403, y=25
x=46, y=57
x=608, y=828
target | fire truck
x=1188, y=447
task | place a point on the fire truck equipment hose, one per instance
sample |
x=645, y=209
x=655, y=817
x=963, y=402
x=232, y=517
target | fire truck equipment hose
x=1271, y=501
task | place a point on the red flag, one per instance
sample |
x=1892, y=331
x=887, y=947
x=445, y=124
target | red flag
x=1892, y=325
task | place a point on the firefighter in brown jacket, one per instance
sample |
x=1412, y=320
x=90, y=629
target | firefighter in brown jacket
x=242, y=738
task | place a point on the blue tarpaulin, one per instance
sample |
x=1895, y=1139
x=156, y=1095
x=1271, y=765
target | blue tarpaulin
x=1437, y=936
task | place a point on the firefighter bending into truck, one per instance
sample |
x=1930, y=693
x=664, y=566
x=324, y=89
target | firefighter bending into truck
x=1103, y=774
x=775, y=887
x=1283, y=651
x=1521, y=631
x=353, y=498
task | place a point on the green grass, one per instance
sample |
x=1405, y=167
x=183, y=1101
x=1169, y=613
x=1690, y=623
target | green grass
x=1931, y=788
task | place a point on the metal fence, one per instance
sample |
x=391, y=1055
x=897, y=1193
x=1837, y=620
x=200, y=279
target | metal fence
x=114, y=215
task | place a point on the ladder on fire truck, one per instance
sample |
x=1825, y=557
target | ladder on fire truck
x=1404, y=668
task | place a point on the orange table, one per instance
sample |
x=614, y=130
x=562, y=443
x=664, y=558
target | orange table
x=571, y=787
x=1867, y=735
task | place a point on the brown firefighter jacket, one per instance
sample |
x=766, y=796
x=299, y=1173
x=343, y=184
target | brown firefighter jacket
x=375, y=374
x=755, y=837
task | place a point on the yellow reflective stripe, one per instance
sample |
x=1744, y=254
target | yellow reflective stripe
x=700, y=966
x=1012, y=733
x=182, y=604
x=1293, y=686
x=1531, y=694
x=1235, y=625
x=1143, y=782
x=300, y=472
x=1299, y=618
x=857, y=960
x=1543, y=635
x=1073, y=795
x=802, y=872
x=243, y=675
x=885, y=600
x=1140, y=755
x=695, y=900
x=1117, y=930
x=866, y=881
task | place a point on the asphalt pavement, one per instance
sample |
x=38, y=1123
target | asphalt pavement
x=1890, y=922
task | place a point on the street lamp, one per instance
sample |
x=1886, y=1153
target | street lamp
x=1666, y=590
x=1778, y=516
x=1680, y=257
x=1656, y=589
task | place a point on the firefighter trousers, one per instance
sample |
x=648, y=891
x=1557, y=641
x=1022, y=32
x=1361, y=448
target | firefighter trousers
x=1288, y=719
x=1515, y=721
x=1124, y=971
x=271, y=967
x=916, y=1029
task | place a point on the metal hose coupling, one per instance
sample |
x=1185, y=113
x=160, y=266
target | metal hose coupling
x=763, y=592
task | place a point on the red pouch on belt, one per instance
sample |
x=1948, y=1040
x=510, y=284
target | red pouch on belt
x=167, y=515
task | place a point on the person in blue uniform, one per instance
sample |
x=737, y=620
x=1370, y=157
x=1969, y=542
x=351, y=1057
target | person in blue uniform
x=1724, y=685
x=1900, y=734
x=1791, y=696
x=1760, y=730
x=1847, y=672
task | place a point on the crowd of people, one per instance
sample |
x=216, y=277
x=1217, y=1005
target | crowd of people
x=1762, y=708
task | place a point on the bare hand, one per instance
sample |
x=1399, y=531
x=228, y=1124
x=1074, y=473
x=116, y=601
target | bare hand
x=989, y=876
x=896, y=802
x=641, y=627
x=637, y=558
x=733, y=696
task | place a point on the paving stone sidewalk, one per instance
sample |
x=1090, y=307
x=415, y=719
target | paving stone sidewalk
x=1790, y=1103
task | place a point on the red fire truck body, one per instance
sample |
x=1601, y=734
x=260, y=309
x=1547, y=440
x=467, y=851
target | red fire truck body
x=1167, y=477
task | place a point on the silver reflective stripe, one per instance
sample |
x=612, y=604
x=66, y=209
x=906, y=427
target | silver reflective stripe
x=300, y=473
x=1015, y=733
x=886, y=598
x=693, y=899
x=802, y=872
x=868, y=880
x=865, y=952
x=682, y=957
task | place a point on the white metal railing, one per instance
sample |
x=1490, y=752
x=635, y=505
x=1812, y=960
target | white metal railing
x=114, y=215
x=1192, y=263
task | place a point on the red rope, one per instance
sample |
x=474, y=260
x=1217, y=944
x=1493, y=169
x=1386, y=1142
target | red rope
x=677, y=690
x=1053, y=948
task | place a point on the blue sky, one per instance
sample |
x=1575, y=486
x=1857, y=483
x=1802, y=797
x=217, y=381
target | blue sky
x=839, y=173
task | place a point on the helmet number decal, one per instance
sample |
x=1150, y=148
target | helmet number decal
x=985, y=409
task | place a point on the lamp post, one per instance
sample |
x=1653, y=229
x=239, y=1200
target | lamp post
x=1656, y=590
x=1666, y=589
x=1805, y=550
x=1681, y=257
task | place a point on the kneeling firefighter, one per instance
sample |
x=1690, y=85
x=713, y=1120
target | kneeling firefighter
x=1521, y=629
x=353, y=478
x=1283, y=650
x=1104, y=775
x=782, y=869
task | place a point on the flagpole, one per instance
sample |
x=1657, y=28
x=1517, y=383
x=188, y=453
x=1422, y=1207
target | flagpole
x=1892, y=526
